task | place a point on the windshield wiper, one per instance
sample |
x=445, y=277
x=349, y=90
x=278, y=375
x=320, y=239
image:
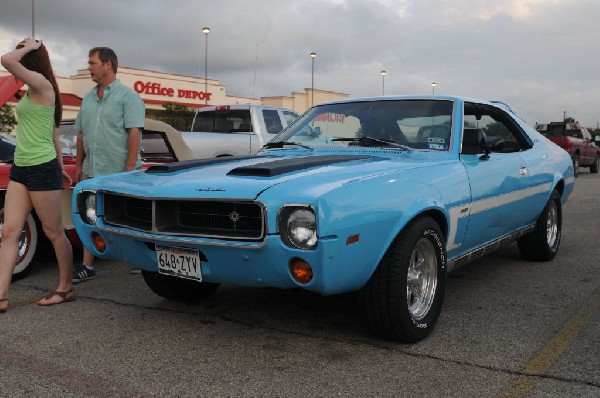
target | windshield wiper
x=281, y=144
x=373, y=142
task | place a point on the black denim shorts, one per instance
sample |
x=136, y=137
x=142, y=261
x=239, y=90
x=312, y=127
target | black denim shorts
x=42, y=177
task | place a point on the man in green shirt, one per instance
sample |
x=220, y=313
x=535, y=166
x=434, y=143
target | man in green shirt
x=110, y=124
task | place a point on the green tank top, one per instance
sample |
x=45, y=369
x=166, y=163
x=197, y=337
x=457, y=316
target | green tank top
x=35, y=129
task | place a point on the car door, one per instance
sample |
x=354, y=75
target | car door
x=589, y=147
x=501, y=186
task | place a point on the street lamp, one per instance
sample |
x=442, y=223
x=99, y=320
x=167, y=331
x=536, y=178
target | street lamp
x=313, y=55
x=433, y=87
x=383, y=73
x=33, y=19
x=205, y=30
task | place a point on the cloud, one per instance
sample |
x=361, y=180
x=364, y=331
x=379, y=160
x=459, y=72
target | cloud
x=537, y=55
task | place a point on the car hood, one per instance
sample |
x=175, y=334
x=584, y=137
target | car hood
x=250, y=176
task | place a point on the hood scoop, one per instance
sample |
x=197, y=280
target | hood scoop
x=188, y=164
x=277, y=167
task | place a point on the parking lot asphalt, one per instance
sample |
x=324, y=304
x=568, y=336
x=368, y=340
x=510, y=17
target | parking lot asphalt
x=509, y=327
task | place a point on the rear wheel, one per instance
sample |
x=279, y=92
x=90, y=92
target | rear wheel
x=178, y=289
x=403, y=299
x=28, y=242
x=542, y=244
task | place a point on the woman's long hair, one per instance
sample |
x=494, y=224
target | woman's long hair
x=39, y=61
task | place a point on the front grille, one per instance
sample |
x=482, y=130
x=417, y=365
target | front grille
x=240, y=220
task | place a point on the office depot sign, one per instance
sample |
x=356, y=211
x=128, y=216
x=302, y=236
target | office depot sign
x=153, y=88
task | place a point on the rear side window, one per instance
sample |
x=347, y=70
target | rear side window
x=223, y=121
x=272, y=121
x=496, y=128
x=155, y=147
x=7, y=147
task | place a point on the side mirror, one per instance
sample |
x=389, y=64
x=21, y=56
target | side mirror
x=597, y=139
x=506, y=147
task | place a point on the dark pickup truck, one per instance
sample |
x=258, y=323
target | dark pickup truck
x=576, y=140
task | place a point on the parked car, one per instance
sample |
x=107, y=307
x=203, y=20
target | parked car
x=160, y=144
x=381, y=196
x=576, y=140
x=229, y=130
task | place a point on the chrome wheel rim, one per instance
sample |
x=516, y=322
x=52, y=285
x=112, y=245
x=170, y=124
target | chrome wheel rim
x=552, y=224
x=421, y=280
x=23, y=241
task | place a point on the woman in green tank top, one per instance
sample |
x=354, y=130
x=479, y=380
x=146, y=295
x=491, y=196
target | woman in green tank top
x=37, y=174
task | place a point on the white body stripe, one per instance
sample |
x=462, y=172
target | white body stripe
x=490, y=203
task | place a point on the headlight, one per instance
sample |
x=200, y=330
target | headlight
x=86, y=206
x=298, y=227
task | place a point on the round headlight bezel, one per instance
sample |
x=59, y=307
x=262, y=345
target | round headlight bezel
x=86, y=207
x=297, y=226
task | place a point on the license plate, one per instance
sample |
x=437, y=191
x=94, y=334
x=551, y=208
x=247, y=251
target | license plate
x=179, y=261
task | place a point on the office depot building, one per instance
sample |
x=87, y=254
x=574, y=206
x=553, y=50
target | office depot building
x=158, y=89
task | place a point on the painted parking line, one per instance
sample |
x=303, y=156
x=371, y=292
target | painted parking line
x=547, y=356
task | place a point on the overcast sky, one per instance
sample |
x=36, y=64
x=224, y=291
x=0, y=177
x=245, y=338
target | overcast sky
x=540, y=56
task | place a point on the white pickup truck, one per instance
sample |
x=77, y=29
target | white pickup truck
x=231, y=130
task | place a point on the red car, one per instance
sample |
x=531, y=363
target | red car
x=161, y=143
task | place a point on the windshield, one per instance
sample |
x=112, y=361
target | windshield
x=393, y=124
x=68, y=138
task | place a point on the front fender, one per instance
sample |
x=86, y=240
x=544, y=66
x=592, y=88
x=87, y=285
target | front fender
x=365, y=226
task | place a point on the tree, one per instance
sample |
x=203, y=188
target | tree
x=178, y=116
x=8, y=120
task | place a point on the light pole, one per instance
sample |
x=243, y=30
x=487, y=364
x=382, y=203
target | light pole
x=383, y=73
x=205, y=30
x=433, y=87
x=313, y=55
x=33, y=19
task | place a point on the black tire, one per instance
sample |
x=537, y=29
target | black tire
x=178, y=289
x=28, y=242
x=596, y=166
x=415, y=263
x=576, y=165
x=543, y=243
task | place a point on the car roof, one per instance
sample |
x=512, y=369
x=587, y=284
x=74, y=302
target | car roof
x=181, y=149
x=242, y=106
x=413, y=97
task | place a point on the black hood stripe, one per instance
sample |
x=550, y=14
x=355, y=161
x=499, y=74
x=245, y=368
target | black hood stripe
x=277, y=167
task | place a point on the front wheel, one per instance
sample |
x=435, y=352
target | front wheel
x=27, y=245
x=403, y=299
x=178, y=289
x=575, y=165
x=596, y=166
x=542, y=244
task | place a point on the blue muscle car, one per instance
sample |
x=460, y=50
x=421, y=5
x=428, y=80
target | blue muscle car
x=383, y=196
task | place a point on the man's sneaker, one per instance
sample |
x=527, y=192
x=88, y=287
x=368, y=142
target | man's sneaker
x=83, y=273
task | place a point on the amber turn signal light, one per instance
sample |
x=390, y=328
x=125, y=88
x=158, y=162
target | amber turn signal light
x=301, y=270
x=98, y=242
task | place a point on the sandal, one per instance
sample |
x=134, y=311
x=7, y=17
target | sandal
x=67, y=296
x=2, y=311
